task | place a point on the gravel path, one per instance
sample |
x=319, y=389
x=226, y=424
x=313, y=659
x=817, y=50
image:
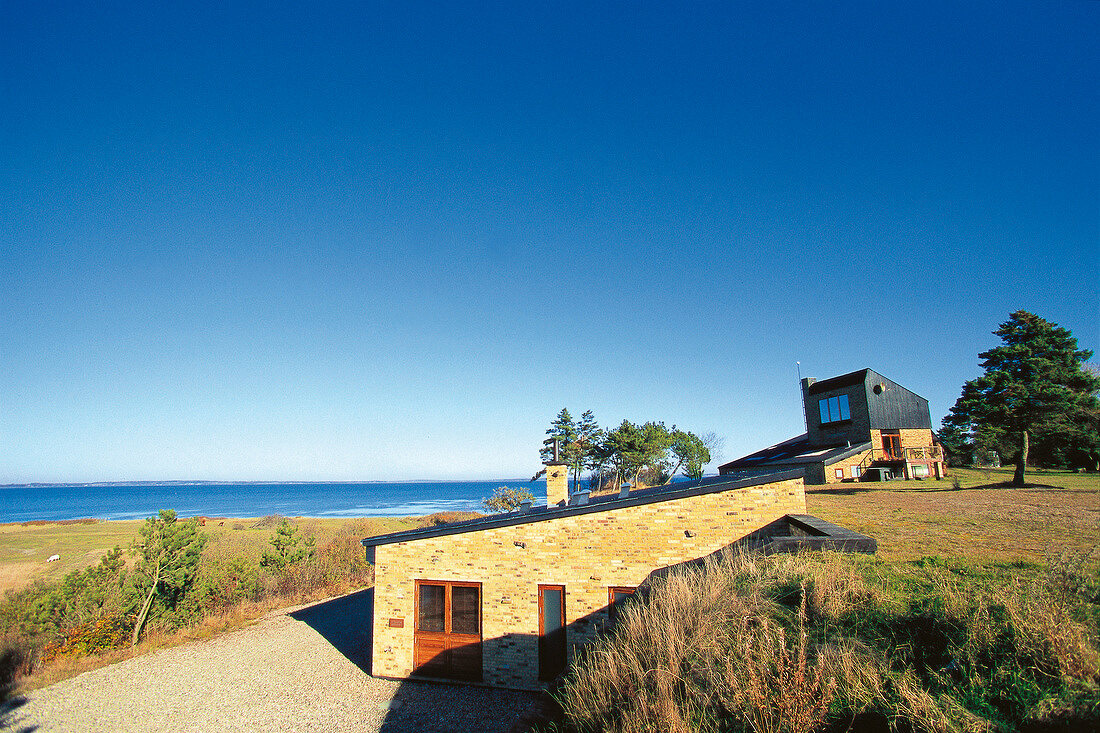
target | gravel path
x=298, y=670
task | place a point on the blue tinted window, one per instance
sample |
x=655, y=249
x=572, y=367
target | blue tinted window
x=834, y=409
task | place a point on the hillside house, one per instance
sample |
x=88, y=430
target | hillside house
x=859, y=426
x=506, y=599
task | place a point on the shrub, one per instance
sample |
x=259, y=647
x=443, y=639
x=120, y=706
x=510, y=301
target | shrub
x=440, y=518
x=222, y=583
x=506, y=499
x=91, y=637
x=289, y=547
x=16, y=657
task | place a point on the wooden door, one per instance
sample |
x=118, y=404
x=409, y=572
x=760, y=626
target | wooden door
x=447, y=638
x=891, y=444
x=552, y=653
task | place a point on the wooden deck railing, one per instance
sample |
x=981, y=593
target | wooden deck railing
x=910, y=455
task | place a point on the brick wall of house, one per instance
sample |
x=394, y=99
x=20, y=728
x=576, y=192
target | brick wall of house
x=846, y=465
x=915, y=437
x=587, y=553
x=910, y=438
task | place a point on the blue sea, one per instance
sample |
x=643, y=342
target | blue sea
x=356, y=499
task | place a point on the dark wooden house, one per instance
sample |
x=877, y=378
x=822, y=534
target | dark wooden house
x=859, y=425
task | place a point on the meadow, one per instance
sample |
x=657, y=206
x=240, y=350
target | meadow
x=25, y=547
x=982, y=520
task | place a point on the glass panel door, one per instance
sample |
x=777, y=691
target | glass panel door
x=447, y=638
x=431, y=602
x=465, y=610
x=891, y=445
x=551, y=631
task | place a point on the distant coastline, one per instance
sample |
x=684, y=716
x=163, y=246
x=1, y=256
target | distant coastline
x=140, y=499
x=204, y=482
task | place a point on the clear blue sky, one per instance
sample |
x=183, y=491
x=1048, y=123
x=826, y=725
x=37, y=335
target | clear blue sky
x=388, y=241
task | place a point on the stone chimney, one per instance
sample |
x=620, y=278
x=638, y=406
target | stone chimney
x=557, y=481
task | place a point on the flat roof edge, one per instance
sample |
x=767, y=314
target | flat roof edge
x=542, y=514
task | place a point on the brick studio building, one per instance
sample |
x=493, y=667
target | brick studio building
x=506, y=599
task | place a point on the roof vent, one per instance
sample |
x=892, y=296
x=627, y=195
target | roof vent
x=624, y=491
x=581, y=497
x=525, y=506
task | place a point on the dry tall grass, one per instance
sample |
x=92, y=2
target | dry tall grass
x=822, y=641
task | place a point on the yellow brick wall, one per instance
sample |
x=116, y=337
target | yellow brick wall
x=846, y=464
x=586, y=553
x=910, y=438
x=915, y=437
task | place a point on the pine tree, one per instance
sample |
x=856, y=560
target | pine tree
x=289, y=547
x=168, y=556
x=1034, y=387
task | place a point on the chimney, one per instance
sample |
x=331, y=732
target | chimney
x=557, y=481
x=557, y=484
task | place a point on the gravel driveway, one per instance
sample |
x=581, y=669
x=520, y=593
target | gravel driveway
x=296, y=670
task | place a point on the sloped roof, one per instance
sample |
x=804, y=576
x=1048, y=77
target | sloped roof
x=844, y=380
x=652, y=495
x=796, y=450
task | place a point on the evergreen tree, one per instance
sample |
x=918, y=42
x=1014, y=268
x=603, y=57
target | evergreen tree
x=289, y=547
x=1034, y=387
x=564, y=431
x=168, y=555
x=581, y=453
x=691, y=454
x=577, y=441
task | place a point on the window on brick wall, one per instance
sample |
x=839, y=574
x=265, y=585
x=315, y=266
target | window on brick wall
x=838, y=472
x=616, y=597
x=834, y=409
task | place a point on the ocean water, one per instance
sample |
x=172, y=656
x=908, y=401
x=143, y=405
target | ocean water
x=357, y=499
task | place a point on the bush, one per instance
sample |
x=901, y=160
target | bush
x=222, y=583
x=506, y=499
x=91, y=637
x=16, y=657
